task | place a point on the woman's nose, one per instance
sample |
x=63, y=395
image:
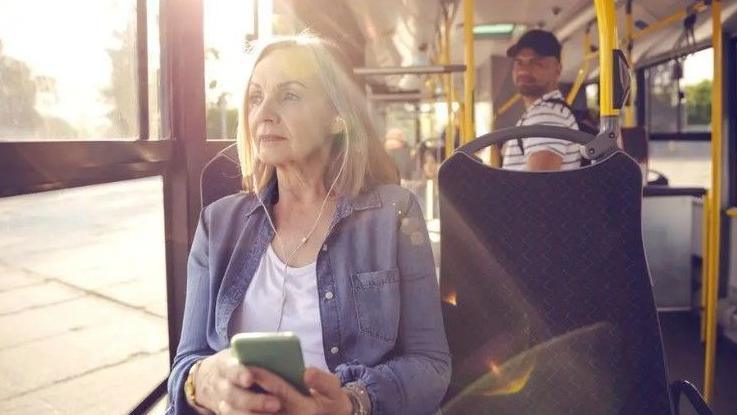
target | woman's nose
x=266, y=111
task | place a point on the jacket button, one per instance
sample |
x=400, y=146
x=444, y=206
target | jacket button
x=334, y=350
x=325, y=247
x=329, y=295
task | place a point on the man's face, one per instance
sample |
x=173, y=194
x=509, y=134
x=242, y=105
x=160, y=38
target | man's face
x=535, y=75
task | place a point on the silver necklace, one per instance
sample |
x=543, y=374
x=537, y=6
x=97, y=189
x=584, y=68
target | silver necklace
x=291, y=255
x=306, y=237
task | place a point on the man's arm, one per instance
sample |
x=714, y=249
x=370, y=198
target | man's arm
x=544, y=161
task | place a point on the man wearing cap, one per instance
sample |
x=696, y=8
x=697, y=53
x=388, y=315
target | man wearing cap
x=535, y=72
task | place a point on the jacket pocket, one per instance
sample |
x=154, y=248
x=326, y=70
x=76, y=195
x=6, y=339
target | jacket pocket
x=376, y=295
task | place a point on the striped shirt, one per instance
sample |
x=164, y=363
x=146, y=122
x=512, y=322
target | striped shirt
x=546, y=113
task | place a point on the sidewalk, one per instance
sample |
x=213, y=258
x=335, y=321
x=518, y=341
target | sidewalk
x=82, y=299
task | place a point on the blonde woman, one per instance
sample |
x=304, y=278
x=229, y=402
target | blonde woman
x=322, y=242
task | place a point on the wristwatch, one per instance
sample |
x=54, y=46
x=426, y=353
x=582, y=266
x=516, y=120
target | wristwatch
x=359, y=397
x=189, y=389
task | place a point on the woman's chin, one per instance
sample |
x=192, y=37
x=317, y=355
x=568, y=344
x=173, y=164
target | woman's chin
x=272, y=158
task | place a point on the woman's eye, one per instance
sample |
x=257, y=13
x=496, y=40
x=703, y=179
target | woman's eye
x=291, y=96
x=254, y=99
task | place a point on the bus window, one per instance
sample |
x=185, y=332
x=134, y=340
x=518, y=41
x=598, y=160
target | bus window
x=51, y=92
x=679, y=94
x=592, y=98
x=679, y=113
x=228, y=27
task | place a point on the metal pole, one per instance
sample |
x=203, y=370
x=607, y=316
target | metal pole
x=705, y=260
x=715, y=208
x=469, y=79
x=674, y=18
x=447, y=86
x=142, y=54
x=629, y=109
x=607, y=25
x=507, y=105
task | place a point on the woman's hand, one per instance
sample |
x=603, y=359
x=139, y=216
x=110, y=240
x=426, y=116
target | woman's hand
x=326, y=395
x=221, y=385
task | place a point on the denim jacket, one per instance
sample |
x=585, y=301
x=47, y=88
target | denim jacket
x=379, y=300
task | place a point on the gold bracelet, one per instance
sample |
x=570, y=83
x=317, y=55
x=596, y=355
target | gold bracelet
x=360, y=400
x=189, y=389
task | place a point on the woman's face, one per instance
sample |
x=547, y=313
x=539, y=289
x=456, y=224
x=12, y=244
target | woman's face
x=290, y=117
x=429, y=165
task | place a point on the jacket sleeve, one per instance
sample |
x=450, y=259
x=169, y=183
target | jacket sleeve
x=193, y=341
x=415, y=380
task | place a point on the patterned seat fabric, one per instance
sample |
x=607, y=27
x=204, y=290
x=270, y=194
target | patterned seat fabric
x=554, y=310
x=221, y=176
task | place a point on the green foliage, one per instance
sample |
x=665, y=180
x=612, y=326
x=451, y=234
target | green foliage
x=19, y=118
x=18, y=115
x=221, y=123
x=698, y=103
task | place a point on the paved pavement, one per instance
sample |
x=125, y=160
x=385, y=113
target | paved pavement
x=82, y=299
x=686, y=164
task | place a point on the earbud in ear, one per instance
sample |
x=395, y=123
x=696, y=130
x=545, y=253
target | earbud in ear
x=339, y=125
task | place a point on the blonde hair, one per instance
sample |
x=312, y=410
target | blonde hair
x=366, y=162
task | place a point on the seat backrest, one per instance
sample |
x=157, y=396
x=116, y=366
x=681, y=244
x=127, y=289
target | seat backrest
x=635, y=143
x=221, y=176
x=548, y=303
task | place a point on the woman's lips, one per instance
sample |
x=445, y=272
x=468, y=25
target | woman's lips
x=270, y=138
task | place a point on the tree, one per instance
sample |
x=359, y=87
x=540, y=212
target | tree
x=221, y=118
x=18, y=115
x=698, y=103
x=122, y=94
x=19, y=90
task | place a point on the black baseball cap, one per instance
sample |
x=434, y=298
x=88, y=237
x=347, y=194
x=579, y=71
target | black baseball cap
x=541, y=41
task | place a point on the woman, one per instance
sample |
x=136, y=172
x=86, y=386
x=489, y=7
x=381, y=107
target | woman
x=322, y=243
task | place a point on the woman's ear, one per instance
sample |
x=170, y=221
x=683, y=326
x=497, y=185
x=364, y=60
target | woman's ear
x=338, y=125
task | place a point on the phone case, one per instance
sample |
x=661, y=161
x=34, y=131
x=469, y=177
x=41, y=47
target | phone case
x=279, y=353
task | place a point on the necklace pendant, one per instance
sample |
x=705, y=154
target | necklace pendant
x=304, y=239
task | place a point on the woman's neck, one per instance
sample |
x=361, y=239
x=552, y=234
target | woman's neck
x=300, y=186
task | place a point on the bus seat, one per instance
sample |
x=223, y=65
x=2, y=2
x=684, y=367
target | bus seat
x=635, y=142
x=221, y=176
x=548, y=303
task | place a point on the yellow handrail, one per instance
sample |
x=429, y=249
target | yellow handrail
x=629, y=109
x=448, y=87
x=607, y=25
x=674, y=18
x=469, y=132
x=508, y=104
x=715, y=206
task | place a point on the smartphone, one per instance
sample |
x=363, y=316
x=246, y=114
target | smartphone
x=279, y=353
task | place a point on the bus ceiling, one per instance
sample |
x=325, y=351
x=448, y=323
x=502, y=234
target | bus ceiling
x=384, y=35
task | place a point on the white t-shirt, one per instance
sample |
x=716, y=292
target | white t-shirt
x=546, y=113
x=262, y=305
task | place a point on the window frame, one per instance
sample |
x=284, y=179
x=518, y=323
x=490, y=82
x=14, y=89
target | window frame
x=37, y=166
x=643, y=96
